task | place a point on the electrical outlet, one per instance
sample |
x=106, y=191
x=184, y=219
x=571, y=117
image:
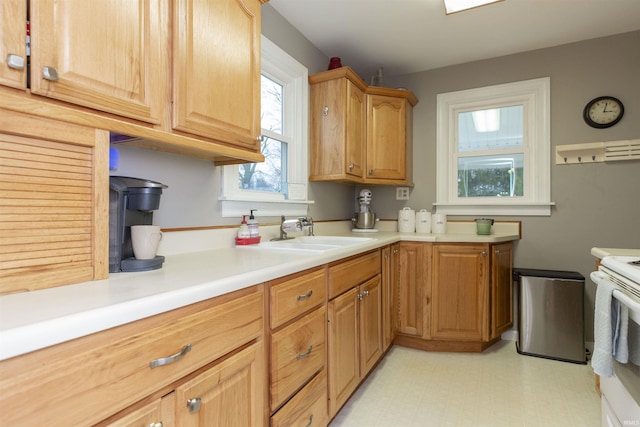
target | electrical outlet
x=402, y=193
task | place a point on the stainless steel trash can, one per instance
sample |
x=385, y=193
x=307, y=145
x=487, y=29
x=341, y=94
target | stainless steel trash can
x=551, y=314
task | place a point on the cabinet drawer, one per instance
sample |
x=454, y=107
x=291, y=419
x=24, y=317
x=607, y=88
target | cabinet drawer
x=297, y=352
x=345, y=275
x=296, y=294
x=307, y=408
x=88, y=379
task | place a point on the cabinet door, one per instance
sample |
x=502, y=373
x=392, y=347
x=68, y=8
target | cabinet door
x=159, y=412
x=355, y=131
x=370, y=312
x=460, y=292
x=344, y=373
x=13, y=47
x=414, y=281
x=107, y=55
x=386, y=137
x=501, y=288
x=228, y=394
x=216, y=75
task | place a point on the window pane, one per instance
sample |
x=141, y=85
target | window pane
x=490, y=176
x=490, y=129
x=269, y=175
x=271, y=107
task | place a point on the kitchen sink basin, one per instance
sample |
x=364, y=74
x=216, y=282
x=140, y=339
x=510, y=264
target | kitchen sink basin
x=316, y=244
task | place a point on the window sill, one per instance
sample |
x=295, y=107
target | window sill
x=237, y=208
x=521, y=209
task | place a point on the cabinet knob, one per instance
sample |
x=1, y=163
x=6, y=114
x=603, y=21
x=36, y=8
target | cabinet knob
x=260, y=138
x=497, y=251
x=370, y=171
x=360, y=296
x=50, y=73
x=325, y=111
x=159, y=424
x=387, y=256
x=193, y=405
x=484, y=253
x=15, y=61
x=396, y=251
x=351, y=166
x=365, y=293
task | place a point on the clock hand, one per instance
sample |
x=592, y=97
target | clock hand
x=605, y=107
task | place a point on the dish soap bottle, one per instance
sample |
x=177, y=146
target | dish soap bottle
x=254, y=230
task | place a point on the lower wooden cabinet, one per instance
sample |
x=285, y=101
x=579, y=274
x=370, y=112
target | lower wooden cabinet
x=454, y=296
x=354, y=335
x=307, y=408
x=389, y=290
x=213, y=348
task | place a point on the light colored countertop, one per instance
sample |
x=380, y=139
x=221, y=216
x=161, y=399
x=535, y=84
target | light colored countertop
x=33, y=320
x=603, y=252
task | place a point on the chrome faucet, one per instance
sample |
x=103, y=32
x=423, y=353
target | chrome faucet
x=292, y=225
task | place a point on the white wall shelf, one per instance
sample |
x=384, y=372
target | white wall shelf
x=598, y=152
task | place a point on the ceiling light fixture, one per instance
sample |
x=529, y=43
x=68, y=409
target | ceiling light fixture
x=453, y=6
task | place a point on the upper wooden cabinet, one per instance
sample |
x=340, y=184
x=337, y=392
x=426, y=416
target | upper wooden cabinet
x=181, y=76
x=13, y=49
x=359, y=133
x=216, y=70
x=105, y=55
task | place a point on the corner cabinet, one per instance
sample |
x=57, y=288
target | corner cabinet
x=360, y=133
x=454, y=296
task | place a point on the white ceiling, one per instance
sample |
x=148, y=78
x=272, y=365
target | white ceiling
x=407, y=36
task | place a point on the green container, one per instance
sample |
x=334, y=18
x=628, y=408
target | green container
x=483, y=226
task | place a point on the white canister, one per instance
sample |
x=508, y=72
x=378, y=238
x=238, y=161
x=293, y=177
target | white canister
x=406, y=220
x=439, y=223
x=423, y=221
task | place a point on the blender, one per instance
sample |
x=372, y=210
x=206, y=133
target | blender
x=364, y=220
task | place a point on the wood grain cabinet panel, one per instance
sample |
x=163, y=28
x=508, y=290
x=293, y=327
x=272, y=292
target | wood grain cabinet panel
x=344, y=275
x=298, y=351
x=501, y=288
x=106, y=55
x=295, y=295
x=13, y=49
x=53, y=216
x=307, y=408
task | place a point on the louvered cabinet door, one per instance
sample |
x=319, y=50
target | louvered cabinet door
x=53, y=203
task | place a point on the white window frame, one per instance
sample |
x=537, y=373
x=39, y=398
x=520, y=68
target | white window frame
x=534, y=95
x=234, y=201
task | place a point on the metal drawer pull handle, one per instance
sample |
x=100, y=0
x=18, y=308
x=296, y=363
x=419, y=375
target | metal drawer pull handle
x=15, y=61
x=166, y=360
x=50, y=73
x=155, y=424
x=305, y=355
x=310, y=421
x=305, y=296
x=194, y=405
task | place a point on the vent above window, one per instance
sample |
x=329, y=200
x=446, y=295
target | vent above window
x=608, y=151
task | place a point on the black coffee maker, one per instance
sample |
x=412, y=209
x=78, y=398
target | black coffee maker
x=131, y=202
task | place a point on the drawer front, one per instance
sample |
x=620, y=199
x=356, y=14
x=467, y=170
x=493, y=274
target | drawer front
x=298, y=351
x=88, y=379
x=295, y=295
x=307, y=408
x=344, y=276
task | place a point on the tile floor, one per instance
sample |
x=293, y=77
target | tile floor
x=498, y=387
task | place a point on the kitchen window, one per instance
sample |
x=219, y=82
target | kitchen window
x=493, y=146
x=277, y=186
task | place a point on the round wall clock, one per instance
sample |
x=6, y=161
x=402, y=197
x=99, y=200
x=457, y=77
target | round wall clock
x=603, y=112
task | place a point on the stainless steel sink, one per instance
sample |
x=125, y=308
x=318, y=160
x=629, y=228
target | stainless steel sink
x=316, y=244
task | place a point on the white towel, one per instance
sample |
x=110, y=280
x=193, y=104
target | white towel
x=602, y=360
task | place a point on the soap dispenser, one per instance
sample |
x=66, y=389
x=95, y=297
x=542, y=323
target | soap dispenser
x=243, y=231
x=254, y=230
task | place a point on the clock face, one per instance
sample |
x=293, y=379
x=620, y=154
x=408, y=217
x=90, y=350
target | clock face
x=603, y=112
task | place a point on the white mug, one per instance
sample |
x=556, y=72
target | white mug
x=145, y=240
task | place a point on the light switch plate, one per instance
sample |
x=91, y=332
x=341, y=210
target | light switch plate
x=402, y=193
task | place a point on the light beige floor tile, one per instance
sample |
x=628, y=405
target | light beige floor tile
x=496, y=388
